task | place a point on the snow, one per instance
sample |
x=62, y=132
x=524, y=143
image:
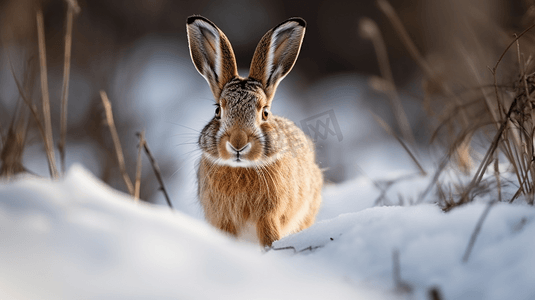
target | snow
x=431, y=245
x=76, y=236
x=79, y=238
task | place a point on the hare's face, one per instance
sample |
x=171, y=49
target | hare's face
x=241, y=128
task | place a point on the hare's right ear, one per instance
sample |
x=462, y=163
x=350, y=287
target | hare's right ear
x=211, y=53
x=276, y=54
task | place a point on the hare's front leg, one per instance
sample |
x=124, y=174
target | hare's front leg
x=268, y=230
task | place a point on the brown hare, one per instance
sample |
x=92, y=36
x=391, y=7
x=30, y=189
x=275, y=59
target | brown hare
x=257, y=170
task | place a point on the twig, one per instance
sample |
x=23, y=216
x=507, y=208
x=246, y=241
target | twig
x=138, y=168
x=116, y=141
x=309, y=248
x=45, y=98
x=65, y=88
x=157, y=172
x=369, y=30
x=407, y=149
x=476, y=231
x=284, y=248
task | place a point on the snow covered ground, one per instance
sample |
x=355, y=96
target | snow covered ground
x=78, y=239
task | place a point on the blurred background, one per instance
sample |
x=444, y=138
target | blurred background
x=136, y=51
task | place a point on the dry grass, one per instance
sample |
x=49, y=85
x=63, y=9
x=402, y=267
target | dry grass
x=116, y=142
x=476, y=231
x=369, y=30
x=155, y=168
x=13, y=144
x=29, y=125
x=48, y=140
x=73, y=8
x=468, y=111
x=137, y=185
x=390, y=131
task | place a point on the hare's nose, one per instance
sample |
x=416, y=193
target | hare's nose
x=238, y=140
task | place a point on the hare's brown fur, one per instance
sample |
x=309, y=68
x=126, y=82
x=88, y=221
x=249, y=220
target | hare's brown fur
x=281, y=197
x=256, y=168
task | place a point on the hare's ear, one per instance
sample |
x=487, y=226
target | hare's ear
x=276, y=54
x=211, y=53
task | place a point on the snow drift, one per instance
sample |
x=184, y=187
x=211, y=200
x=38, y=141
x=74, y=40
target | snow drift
x=78, y=239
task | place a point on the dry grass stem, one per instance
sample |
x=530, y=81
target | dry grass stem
x=116, y=142
x=2, y=137
x=402, y=287
x=389, y=130
x=497, y=175
x=487, y=95
x=476, y=231
x=13, y=146
x=27, y=101
x=493, y=70
x=434, y=181
x=369, y=30
x=509, y=46
x=65, y=88
x=157, y=172
x=48, y=141
x=392, y=16
x=487, y=159
x=73, y=4
x=138, y=165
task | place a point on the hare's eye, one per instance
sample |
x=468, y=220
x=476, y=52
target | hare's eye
x=218, y=112
x=265, y=113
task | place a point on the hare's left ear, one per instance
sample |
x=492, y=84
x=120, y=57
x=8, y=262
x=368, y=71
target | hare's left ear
x=276, y=54
x=211, y=53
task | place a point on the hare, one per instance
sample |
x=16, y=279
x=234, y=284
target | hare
x=257, y=170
